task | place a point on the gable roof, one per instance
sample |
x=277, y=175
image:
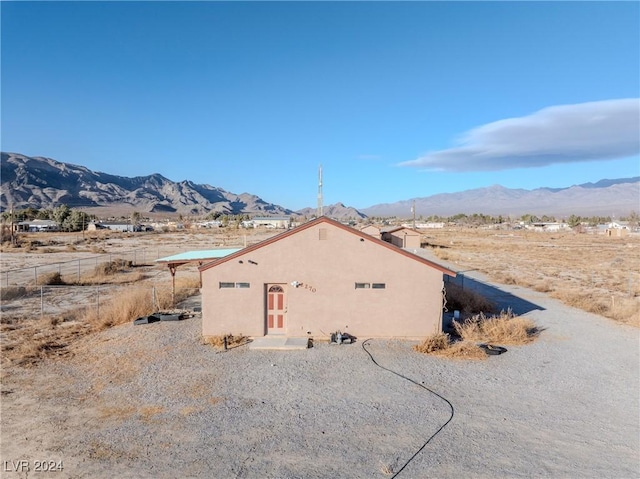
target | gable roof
x=394, y=229
x=325, y=219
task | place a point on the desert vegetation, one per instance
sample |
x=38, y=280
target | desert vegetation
x=230, y=340
x=466, y=301
x=504, y=328
x=591, y=272
x=127, y=293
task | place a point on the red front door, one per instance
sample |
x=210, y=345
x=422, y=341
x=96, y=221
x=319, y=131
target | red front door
x=275, y=309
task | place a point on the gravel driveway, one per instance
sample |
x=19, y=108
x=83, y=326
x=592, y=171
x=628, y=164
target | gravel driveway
x=151, y=401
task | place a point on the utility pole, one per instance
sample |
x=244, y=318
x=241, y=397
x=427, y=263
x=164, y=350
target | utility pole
x=413, y=210
x=13, y=239
x=320, y=211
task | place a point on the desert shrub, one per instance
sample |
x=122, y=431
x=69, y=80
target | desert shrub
x=441, y=344
x=467, y=301
x=585, y=301
x=446, y=254
x=435, y=342
x=625, y=310
x=13, y=292
x=218, y=341
x=506, y=328
x=50, y=279
x=33, y=351
x=112, y=267
x=125, y=307
x=507, y=278
x=619, y=308
x=543, y=286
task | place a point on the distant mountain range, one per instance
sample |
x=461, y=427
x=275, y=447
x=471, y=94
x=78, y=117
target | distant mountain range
x=604, y=198
x=46, y=183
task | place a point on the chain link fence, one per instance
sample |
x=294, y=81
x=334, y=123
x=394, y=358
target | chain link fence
x=97, y=301
x=74, y=269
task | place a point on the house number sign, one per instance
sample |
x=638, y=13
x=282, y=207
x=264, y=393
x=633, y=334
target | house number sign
x=309, y=287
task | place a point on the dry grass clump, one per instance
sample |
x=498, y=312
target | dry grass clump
x=506, y=328
x=112, y=272
x=433, y=343
x=33, y=351
x=50, y=279
x=625, y=310
x=218, y=341
x=125, y=307
x=446, y=255
x=112, y=267
x=467, y=301
x=441, y=344
x=585, y=301
x=10, y=293
x=27, y=341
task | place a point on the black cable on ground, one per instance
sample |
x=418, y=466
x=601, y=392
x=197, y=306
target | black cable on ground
x=364, y=343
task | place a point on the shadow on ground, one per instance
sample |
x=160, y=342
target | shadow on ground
x=502, y=299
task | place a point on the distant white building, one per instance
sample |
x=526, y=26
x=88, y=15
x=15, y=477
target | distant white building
x=113, y=226
x=547, y=227
x=37, y=226
x=427, y=225
x=208, y=224
x=271, y=222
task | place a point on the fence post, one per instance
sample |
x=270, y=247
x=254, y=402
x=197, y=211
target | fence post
x=35, y=273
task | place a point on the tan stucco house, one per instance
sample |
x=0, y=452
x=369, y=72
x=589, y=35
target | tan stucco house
x=402, y=237
x=319, y=278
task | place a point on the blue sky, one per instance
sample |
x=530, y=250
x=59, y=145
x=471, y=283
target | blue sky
x=397, y=100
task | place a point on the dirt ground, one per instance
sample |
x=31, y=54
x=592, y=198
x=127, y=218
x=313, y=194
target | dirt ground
x=153, y=401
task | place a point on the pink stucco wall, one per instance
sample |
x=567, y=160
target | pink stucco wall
x=409, y=307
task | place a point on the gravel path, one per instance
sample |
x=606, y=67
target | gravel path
x=151, y=401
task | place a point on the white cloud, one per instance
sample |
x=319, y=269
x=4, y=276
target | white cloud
x=602, y=130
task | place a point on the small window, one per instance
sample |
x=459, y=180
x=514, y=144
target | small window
x=322, y=233
x=362, y=285
x=227, y=285
x=378, y=285
x=242, y=285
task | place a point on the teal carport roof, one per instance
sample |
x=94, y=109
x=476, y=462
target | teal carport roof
x=197, y=256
